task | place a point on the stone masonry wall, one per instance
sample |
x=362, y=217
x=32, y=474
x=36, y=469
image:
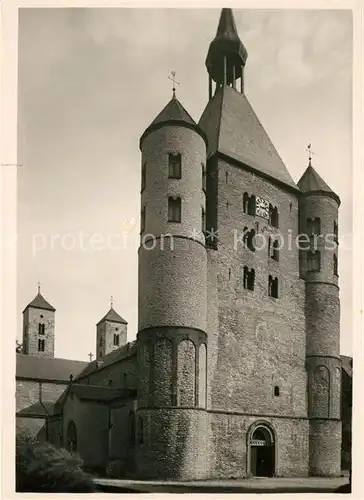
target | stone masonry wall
x=260, y=341
x=32, y=318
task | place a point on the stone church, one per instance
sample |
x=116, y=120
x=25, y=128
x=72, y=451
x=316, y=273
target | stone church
x=236, y=370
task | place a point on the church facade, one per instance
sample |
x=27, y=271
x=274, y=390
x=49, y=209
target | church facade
x=236, y=370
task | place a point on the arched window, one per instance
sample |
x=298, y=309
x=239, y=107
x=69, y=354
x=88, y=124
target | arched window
x=41, y=328
x=245, y=236
x=250, y=242
x=203, y=177
x=116, y=339
x=273, y=216
x=245, y=203
x=249, y=278
x=175, y=165
x=251, y=205
x=41, y=345
x=336, y=231
x=71, y=437
x=275, y=253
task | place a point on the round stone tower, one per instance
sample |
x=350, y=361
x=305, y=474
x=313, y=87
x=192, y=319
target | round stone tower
x=172, y=355
x=319, y=267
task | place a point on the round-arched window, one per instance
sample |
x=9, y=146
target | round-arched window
x=72, y=437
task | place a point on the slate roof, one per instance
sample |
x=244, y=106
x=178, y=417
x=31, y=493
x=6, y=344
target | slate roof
x=172, y=113
x=311, y=182
x=39, y=302
x=99, y=393
x=37, y=410
x=347, y=364
x=124, y=351
x=233, y=128
x=112, y=315
x=55, y=369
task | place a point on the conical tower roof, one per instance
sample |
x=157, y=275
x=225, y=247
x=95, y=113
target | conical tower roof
x=112, y=315
x=312, y=183
x=39, y=302
x=233, y=129
x=172, y=114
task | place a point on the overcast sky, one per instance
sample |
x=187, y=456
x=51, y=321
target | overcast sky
x=90, y=82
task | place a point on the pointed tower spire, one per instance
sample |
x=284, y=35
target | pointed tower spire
x=227, y=55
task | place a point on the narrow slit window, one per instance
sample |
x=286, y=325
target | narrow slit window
x=203, y=220
x=335, y=265
x=245, y=203
x=251, y=205
x=248, y=278
x=273, y=287
x=275, y=250
x=276, y=390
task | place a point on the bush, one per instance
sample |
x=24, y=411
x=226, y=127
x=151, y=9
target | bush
x=40, y=468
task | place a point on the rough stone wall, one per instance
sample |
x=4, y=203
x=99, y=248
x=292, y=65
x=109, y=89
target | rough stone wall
x=325, y=447
x=92, y=424
x=121, y=374
x=174, y=444
x=230, y=447
x=322, y=320
x=31, y=319
x=172, y=285
x=260, y=341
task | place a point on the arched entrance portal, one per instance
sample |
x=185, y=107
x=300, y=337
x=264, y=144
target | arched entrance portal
x=262, y=452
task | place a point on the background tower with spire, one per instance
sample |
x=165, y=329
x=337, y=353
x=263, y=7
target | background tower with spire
x=39, y=327
x=111, y=332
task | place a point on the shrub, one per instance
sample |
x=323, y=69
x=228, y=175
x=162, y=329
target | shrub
x=40, y=468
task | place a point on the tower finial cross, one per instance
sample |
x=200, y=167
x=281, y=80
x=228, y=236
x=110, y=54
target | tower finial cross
x=112, y=301
x=310, y=153
x=173, y=79
x=38, y=286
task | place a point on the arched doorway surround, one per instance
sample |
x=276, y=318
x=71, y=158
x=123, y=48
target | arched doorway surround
x=261, y=450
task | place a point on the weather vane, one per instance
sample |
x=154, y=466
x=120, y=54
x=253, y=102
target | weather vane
x=173, y=79
x=310, y=153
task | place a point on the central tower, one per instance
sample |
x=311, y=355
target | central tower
x=172, y=335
